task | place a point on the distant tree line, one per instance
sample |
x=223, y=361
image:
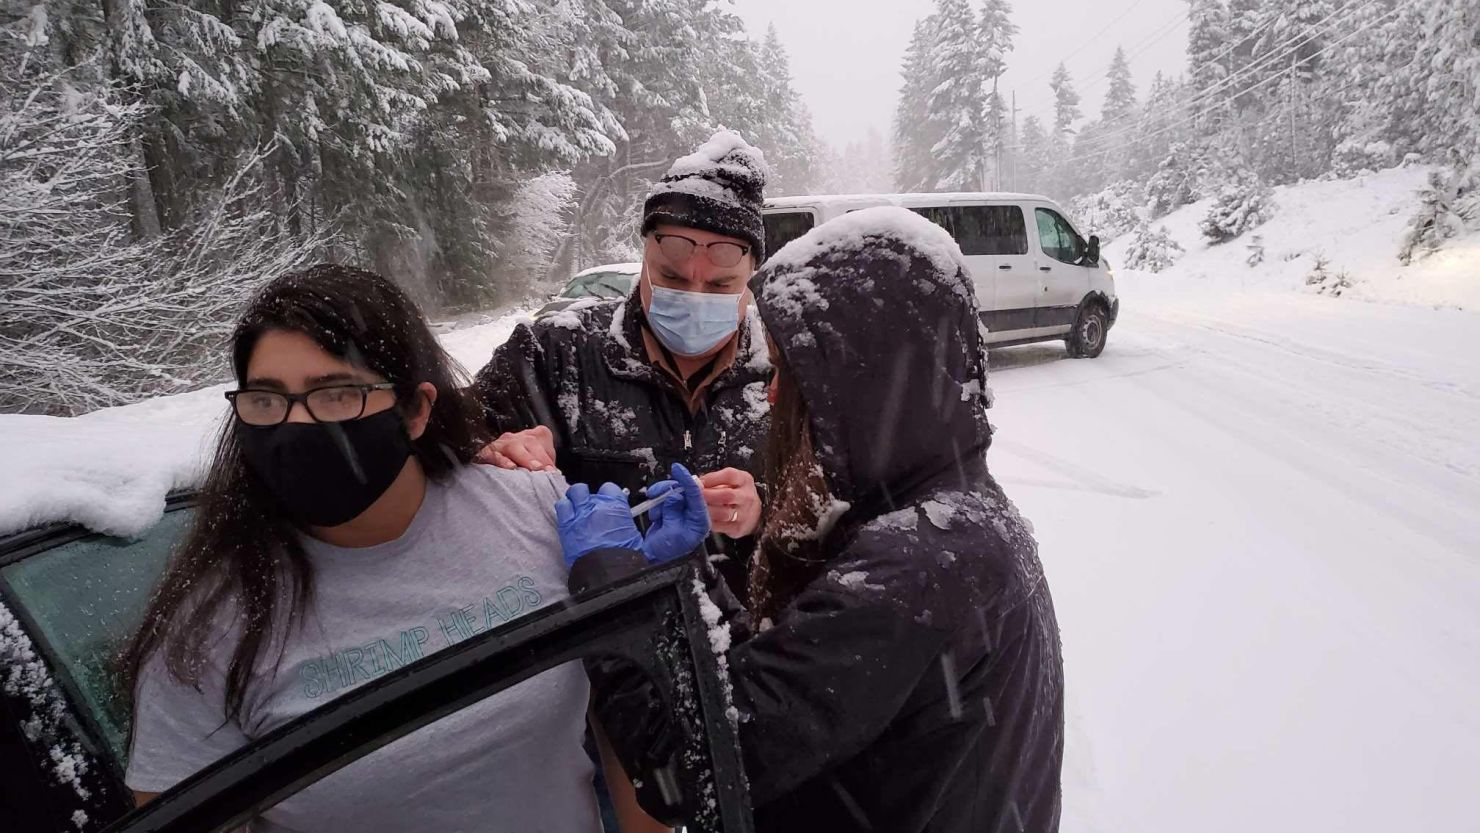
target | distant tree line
x=159, y=159
x=1274, y=91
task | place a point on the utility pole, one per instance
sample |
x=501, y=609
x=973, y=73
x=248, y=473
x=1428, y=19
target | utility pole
x=996, y=134
x=1017, y=144
x=1294, y=152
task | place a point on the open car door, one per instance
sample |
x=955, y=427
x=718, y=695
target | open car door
x=646, y=620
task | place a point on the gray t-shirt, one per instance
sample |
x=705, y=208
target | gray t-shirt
x=481, y=551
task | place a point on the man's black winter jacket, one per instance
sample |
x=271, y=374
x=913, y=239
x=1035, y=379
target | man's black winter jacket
x=585, y=375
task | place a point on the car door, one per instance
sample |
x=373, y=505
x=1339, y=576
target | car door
x=68, y=600
x=994, y=240
x=1060, y=256
x=651, y=622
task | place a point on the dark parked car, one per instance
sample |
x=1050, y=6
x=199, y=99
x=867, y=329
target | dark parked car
x=69, y=597
x=611, y=281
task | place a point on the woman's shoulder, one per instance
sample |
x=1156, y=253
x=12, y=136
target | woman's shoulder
x=507, y=487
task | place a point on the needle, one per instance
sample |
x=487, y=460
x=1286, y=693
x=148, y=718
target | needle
x=651, y=502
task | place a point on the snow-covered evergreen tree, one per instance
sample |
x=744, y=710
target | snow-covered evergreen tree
x=783, y=127
x=1059, y=179
x=995, y=32
x=1065, y=101
x=913, y=137
x=1105, y=145
x=1035, y=159
x=953, y=107
x=1449, y=207
x=1120, y=97
x=860, y=167
x=1160, y=125
x=1207, y=62
x=1448, y=76
x=1175, y=182
x=1241, y=204
x=1110, y=212
x=1151, y=250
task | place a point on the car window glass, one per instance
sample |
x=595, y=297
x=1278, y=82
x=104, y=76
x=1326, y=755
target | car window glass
x=599, y=285
x=785, y=227
x=990, y=229
x=86, y=597
x=939, y=216
x=1057, y=237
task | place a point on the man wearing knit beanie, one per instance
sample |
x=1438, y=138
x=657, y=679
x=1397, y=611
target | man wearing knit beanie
x=677, y=372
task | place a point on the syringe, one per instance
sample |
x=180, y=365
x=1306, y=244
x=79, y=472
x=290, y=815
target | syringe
x=643, y=507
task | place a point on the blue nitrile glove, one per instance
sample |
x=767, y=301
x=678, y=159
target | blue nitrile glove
x=589, y=522
x=680, y=524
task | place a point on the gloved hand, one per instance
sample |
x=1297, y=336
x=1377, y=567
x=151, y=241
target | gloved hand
x=679, y=524
x=587, y=522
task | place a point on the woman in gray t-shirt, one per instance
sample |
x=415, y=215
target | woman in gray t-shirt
x=344, y=532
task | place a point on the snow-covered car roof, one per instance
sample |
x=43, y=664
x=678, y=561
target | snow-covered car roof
x=111, y=470
x=624, y=268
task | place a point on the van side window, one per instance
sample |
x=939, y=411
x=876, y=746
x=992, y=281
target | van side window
x=939, y=216
x=1057, y=237
x=785, y=227
x=991, y=229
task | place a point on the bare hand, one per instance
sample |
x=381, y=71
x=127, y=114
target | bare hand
x=533, y=449
x=734, y=503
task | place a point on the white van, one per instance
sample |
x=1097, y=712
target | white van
x=1037, y=279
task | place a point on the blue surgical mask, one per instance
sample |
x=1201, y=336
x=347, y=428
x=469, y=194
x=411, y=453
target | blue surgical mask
x=692, y=323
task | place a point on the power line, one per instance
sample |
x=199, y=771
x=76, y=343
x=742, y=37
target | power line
x=1144, y=44
x=1262, y=62
x=1374, y=22
x=1093, y=39
x=1162, y=30
x=1275, y=55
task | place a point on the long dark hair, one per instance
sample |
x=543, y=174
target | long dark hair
x=792, y=549
x=242, y=551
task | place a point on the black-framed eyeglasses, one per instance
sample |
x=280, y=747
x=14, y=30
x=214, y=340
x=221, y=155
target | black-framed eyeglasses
x=679, y=249
x=332, y=403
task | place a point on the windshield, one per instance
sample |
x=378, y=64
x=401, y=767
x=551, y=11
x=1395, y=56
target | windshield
x=599, y=285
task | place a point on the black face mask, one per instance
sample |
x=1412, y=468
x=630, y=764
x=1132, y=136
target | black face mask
x=327, y=473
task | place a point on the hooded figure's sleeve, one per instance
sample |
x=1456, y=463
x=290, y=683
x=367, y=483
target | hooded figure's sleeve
x=812, y=691
x=512, y=388
x=825, y=682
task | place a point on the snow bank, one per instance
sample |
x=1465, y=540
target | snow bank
x=1354, y=227
x=110, y=470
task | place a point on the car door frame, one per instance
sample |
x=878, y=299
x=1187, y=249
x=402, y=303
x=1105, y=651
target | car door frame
x=628, y=619
x=1065, y=285
x=50, y=800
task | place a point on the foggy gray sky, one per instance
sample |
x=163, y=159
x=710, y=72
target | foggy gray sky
x=845, y=54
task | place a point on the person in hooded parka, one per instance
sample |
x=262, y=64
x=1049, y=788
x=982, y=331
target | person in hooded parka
x=898, y=667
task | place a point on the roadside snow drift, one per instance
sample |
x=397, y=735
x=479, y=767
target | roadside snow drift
x=1356, y=226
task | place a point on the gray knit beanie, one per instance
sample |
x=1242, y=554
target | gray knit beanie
x=719, y=188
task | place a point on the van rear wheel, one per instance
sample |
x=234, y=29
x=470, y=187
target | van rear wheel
x=1091, y=326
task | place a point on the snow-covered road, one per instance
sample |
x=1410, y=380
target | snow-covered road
x=1260, y=516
